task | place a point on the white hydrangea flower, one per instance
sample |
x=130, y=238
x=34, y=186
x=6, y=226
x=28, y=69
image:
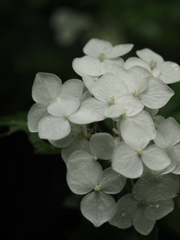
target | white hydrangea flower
x=129, y=160
x=142, y=209
x=46, y=88
x=99, y=55
x=150, y=91
x=85, y=176
x=168, y=72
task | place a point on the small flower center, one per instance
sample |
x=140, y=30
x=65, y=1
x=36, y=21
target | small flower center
x=143, y=203
x=139, y=152
x=97, y=188
x=158, y=176
x=137, y=93
x=152, y=64
x=95, y=79
x=94, y=158
x=111, y=101
x=101, y=57
x=52, y=99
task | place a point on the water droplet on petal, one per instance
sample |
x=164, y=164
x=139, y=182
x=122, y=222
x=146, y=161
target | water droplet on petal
x=157, y=205
x=123, y=214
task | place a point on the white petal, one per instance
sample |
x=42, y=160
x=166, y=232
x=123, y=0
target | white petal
x=124, y=211
x=109, y=86
x=126, y=161
x=114, y=111
x=157, y=94
x=164, y=207
x=155, y=158
x=177, y=150
x=77, y=144
x=170, y=131
x=148, y=55
x=173, y=157
x=171, y=181
x=36, y=112
x=97, y=207
x=144, y=186
x=141, y=223
x=90, y=111
x=133, y=79
x=111, y=181
x=134, y=61
x=90, y=81
x=64, y=142
x=119, y=50
x=138, y=130
x=53, y=128
x=73, y=88
x=132, y=105
x=102, y=145
x=83, y=174
x=64, y=106
x=46, y=87
x=97, y=46
x=87, y=66
x=170, y=72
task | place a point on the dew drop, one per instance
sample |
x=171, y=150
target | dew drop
x=157, y=205
x=123, y=214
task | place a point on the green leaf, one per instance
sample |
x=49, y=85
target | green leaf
x=18, y=122
x=42, y=146
x=15, y=123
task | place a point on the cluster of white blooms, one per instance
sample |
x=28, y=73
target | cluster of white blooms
x=143, y=149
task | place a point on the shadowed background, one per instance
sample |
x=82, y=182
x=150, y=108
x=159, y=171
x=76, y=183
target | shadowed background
x=45, y=36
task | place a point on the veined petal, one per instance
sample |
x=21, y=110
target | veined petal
x=138, y=130
x=87, y=66
x=97, y=46
x=177, y=150
x=148, y=55
x=170, y=130
x=135, y=61
x=64, y=106
x=46, y=87
x=126, y=161
x=72, y=88
x=102, y=145
x=83, y=175
x=90, y=111
x=132, y=104
x=124, y=211
x=155, y=158
x=170, y=72
x=77, y=144
x=114, y=111
x=109, y=87
x=111, y=182
x=53, y=128
x=142, y=223
x=36, y=112
x=97, y=207
x=119, y=50
x=157, y=94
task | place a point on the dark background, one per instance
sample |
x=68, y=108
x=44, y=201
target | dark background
x=35, y=199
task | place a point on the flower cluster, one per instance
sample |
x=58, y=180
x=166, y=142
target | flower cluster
x=141, y=156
